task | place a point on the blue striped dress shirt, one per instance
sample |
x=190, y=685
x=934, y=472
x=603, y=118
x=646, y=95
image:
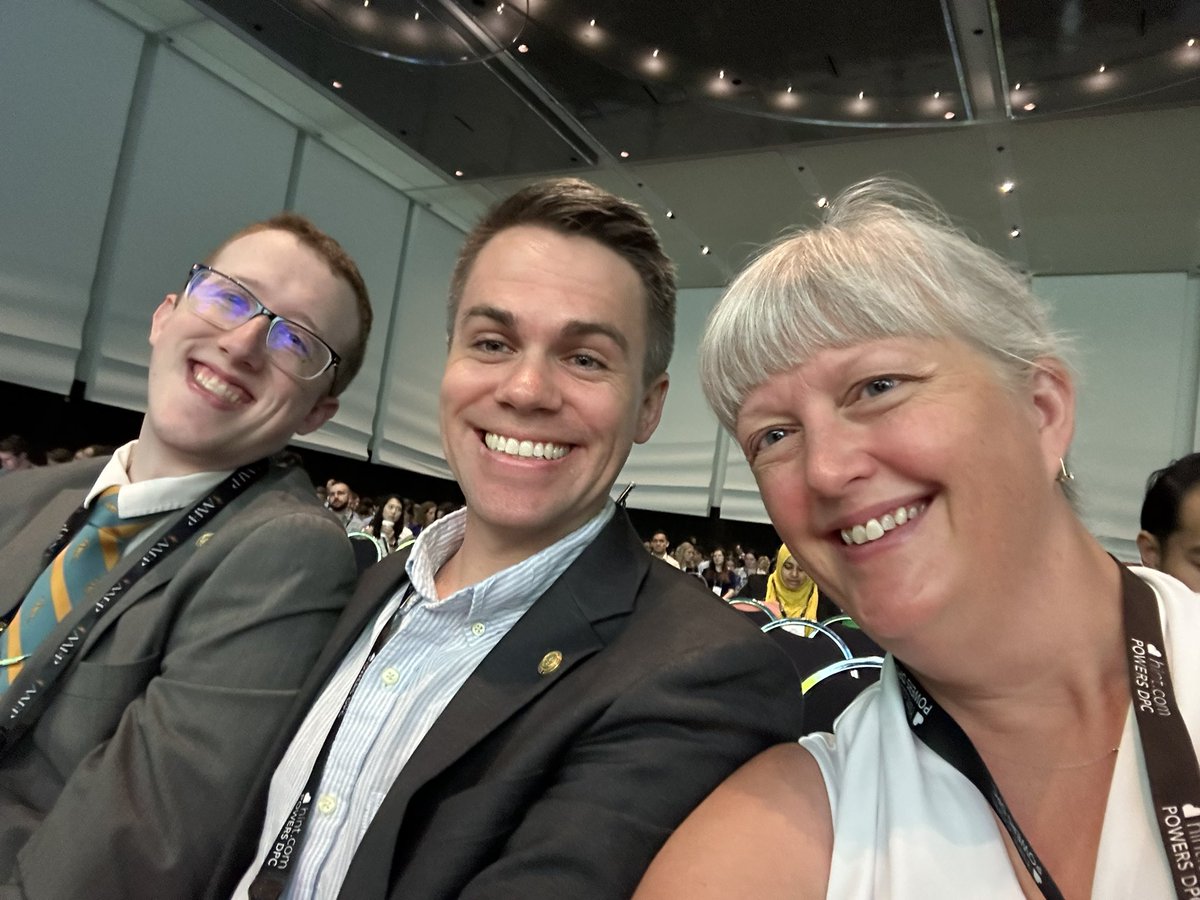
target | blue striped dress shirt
x=436, y=646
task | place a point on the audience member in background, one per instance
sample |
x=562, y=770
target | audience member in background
x=719, y=575
x=1170, y=537
x=445, y=508
x=342, y=502
x=792, y=593
x=751, y=583
x=659, y=545
x=424, y=515
x=91, y=451
x=58, y=455
x=906, y=411
x=15, y=454
x=365, y=509
x=687, y=557
x=551, y=702
x=387, y=524
x=180, y=610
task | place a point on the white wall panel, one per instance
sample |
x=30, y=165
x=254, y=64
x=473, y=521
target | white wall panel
x=368, y=218
x=1137, y=342
x=673, y=470
x=740, y=499
x=408, y=434
x=62, y=116
x=204, y=160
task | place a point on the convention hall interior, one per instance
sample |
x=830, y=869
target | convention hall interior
x=1060, y=133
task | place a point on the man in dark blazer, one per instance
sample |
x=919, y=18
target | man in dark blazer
x=128, y=739
x=526, y=704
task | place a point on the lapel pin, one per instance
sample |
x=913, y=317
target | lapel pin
x=550, y=662
x=203, y=539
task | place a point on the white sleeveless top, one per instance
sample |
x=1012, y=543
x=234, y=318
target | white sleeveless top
x=906, y=824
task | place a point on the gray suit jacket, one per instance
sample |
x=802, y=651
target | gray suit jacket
x=563, y=784
x=125, y=785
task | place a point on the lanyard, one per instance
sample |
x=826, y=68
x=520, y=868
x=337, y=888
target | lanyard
x=1170, y=756
x=273, y=875
x=31, y=689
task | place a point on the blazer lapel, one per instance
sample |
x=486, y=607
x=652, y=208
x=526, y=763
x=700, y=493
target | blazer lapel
x=561, y=629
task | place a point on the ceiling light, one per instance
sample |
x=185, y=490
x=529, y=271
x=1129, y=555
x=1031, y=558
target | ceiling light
x=789, y=89
x=670, y=214
x=337, y=85
x=721, y=74
x=949, y=114
x=704, y=251
x=522, y=48
x=860, y=95
x=937, y=95
x=1006, y=187
x=655, y=53
x=458, y=173
x=822, y=202
x=1030, y=106
x=366, y=2
x=1017, y=86
x=1191, y=42
x=624, y=154
x=417, y=16
x=1015, y=233
x=591, y=23
x=1102, y=68
x=500, y=9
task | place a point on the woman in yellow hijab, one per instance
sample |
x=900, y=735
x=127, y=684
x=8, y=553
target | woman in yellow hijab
x=793, y=591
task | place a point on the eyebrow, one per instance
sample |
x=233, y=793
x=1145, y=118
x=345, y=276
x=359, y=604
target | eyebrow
x=573, y=329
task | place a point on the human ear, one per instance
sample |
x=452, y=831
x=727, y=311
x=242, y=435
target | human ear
x=160, y=316
x=323, y=410
x=1149, y=549
x=650, y=409
x=1052, y=390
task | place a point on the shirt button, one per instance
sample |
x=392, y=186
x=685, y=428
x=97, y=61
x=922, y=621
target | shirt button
x=327, y=803
x=390, y=676
x=478, y=629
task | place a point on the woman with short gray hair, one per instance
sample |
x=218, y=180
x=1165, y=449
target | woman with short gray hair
x=906, y=410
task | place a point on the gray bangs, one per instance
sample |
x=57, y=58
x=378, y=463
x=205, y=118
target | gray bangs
x=887, y=263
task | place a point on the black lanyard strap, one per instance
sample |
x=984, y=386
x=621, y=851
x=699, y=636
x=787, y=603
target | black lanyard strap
x=277, y=867
x=29, y=692
x=1169, y=753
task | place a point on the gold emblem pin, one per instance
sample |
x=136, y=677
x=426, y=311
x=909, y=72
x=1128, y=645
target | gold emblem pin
x=203, y=539
x=550, y=662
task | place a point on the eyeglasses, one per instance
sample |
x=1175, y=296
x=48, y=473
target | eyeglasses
x=228, y=304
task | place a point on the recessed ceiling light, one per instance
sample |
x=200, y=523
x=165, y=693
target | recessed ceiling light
x=655, y=53
x=670, y=214
x=591, y=23
x=1015, y=233
x=624, y=154
x=704, y=251
x=417, y=16
x=1006, y=187
x=1017, y=86
x=522, y=48
x=937, y=95
x=822, y=202
x=949, y=114
x=500, y=9
x=1030, y=107
x=366, y=2
x=1102, y=68
x=1191, y=42
x=860, y=94
x=458, y=173
x=721, y=74
x=789, y=88
x=337, y=85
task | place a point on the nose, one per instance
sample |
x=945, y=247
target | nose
x=529, y=384
x=247, y=343
x=836, y=454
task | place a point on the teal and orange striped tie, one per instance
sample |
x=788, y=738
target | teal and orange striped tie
x=92, y=553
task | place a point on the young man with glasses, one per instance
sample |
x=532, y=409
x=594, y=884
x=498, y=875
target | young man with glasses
x=154, y=642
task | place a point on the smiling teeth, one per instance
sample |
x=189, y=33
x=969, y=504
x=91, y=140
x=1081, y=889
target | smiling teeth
x=874, y=529
x=218, y=387
x=531, y=449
